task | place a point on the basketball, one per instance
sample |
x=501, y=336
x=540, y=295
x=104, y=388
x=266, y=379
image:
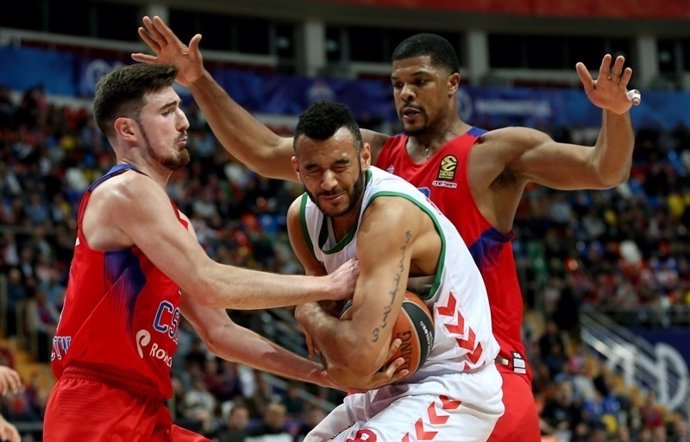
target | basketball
x=415, y=328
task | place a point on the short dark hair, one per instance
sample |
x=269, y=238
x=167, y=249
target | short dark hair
x=121, y=91
x=322, y=119
x=439, y=49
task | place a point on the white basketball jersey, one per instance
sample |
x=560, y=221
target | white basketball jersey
x=462, y=319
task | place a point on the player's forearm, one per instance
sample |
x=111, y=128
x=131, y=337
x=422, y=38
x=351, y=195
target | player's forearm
x=249, y=348
x=242, y=289
x=240, y=133
x=348, y=355
x=614, y=148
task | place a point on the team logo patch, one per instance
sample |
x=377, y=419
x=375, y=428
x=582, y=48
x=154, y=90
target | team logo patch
x=449, y=164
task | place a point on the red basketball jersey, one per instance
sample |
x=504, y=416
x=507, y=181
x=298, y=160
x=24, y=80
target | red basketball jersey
x=121, y=313
x=443, y=178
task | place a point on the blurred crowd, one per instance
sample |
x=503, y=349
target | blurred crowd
x=625, y=251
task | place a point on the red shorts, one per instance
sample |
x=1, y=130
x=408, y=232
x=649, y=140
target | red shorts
x=85, y=405
x=520, y=421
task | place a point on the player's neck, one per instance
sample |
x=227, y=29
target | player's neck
x=426, y=144
x=154, y=170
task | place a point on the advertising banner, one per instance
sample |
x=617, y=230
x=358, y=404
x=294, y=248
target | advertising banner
x=370, y=100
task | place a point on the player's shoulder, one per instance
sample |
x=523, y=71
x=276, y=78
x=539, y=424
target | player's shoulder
x=511, y=134
x=295, y=209
x=122, y=189
x=507, y=142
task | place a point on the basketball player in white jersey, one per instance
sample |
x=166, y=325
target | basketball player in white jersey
x=351, y=209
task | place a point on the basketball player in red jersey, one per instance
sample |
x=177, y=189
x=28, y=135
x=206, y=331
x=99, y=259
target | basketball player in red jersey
x=463, y=169
x=138, y=267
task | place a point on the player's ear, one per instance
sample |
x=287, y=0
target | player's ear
x=453, y=83
x=295, y=167
x=365, y=156
x=124, y=127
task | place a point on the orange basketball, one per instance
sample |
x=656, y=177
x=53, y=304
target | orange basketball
x=415, y=327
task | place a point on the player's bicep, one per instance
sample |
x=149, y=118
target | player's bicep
x=153, y=225
x=542, y=160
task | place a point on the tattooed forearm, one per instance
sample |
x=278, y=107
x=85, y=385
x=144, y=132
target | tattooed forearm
x=397, y=278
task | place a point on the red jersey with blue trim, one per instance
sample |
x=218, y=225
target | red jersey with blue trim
x=443, y=178
x=121, y=313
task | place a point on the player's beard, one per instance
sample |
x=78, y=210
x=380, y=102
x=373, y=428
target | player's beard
x=355, y=195
x=176, y=160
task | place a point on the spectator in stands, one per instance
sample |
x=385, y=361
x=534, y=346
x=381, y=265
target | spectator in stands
x=311, y=416
x=293, y=402
x=17, y=294
x=200, y=406
x=42, y=319
x=273, y=425
x=262, y=395
x=237, y=422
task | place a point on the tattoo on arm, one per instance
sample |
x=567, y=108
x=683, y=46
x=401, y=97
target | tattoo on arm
x=394, y=290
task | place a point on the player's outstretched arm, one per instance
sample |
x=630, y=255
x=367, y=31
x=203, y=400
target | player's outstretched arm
x=529, y=155
x=242, y=135
x=233, y=342
x=153, y=227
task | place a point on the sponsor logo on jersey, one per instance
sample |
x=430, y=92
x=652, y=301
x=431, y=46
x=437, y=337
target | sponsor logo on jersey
x=448, y=184
x=446, y=171
x=143, y=339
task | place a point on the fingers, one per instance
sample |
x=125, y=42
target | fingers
x=617, y=69
x=194, y=43
x=165, y=32
x=585, y=76
x=311, y=347
x=150, y=42
x=156, y=34
x=10, y=381
x=605, y=67
x=625, y=77
x=393, y=349
x=394, y=372
x=143, y=58
x=11, y=434
x=616, y=73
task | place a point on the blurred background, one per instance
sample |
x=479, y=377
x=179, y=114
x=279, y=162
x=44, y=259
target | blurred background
x=605, y=274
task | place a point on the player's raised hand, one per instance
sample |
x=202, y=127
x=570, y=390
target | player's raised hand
x=610, y=89
x=169, y=49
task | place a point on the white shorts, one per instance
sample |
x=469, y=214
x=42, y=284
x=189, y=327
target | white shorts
x=458, y=407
